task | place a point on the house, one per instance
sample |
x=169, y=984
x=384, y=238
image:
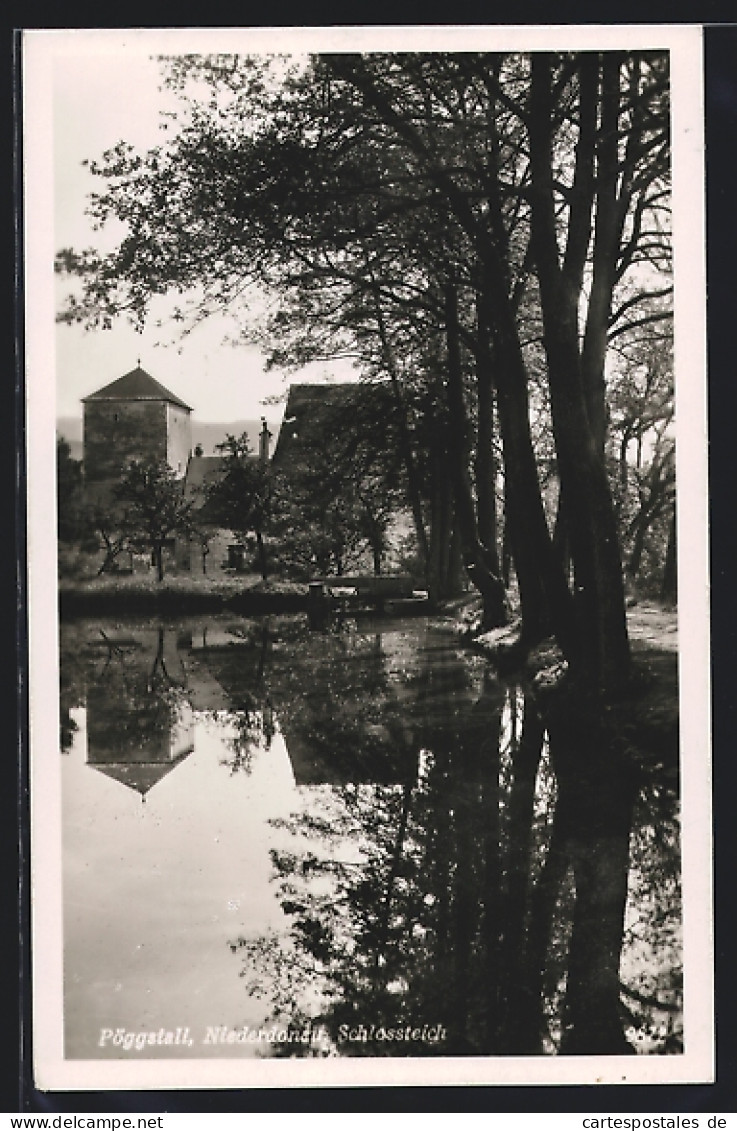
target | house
x=134, y=418
x=194, y=553
x=212, y=545
x=338, y=459
x=335, y=452
x=310, y=414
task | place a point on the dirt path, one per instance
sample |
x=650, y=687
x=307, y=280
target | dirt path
x=653, y=626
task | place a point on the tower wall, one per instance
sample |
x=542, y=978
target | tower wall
x=179, y=438
x=118, y=432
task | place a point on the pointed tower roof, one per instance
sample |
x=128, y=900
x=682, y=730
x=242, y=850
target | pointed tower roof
x=138, y=385
x=140, y=776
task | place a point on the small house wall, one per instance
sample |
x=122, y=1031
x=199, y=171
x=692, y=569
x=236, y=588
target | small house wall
x=189, y=553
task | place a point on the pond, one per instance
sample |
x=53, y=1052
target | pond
x=280, y=842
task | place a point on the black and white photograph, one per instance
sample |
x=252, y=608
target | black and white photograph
x=367, y=556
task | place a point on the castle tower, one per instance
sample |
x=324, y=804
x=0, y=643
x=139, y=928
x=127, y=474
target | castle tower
x=134, y=418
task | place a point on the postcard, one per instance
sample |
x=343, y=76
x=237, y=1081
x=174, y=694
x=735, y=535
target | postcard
x=368, y=605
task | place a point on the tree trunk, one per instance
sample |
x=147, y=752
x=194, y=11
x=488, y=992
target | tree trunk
x=506, y=546
x=544, y=597
x=261, y=554
x=441, y=503
x=482, y=568
x=669, y=590
x=446, y=550
x=596, y=793
x=454, y=577
x=521, y=1009
x=652, y=505
x=642, y=526
x=405, y=441
x=485, y=462
x=561, y=540
x=607, y=234
x=603, y=653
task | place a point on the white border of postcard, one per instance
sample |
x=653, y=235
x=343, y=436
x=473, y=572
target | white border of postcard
x=696, y=1064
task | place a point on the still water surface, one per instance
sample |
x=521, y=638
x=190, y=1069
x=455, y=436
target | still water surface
x=280, y=842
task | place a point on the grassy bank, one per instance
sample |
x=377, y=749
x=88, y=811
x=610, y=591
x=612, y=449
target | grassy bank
x=647, y=714
x=136, y=594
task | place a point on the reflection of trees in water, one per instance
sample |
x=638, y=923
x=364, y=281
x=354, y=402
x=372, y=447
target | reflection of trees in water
x=596, y=791
x=133, y=700
x=240, y=669
x=338, y=709
x=136, y=696
x=254, y=729
x=651, y=969
x=132, y=681
x=71, y=682
x=484, y=889
x=461, y=860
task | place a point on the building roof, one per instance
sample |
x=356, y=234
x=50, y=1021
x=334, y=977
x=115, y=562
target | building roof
x=313, y=412
x=202, y=472
x=201, y=475
x=140, y=776
x=138, y=385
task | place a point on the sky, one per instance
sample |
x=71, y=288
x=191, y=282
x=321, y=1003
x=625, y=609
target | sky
x=100, y=97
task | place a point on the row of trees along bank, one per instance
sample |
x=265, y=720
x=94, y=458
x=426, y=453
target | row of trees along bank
x=486, y=234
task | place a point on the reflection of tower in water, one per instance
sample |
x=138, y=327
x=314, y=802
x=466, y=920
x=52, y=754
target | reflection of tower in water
x=140, y=770
x=139, y=723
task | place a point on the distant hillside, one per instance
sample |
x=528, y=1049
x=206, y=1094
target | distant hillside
x=206, y=433
x=70, y=429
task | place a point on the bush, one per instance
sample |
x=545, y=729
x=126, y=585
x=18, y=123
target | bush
x=407, y=556
x=76, y=562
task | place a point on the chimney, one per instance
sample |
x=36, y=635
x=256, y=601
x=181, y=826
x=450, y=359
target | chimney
x=264, y=442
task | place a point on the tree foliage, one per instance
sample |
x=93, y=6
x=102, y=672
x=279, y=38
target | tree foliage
x=462, y=225
x=153, y=509
x=340, y=483
x=69, y=496
x=462, y=866
x=240, y=496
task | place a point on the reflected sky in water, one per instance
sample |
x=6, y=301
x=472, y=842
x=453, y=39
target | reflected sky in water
x=266, y=826
x=156, y=886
